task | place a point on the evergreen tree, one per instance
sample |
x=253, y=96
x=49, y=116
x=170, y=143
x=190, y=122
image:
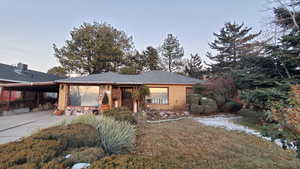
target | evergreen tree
x=135, y=63
x=234, y=44
x=94, y=48
x=172, y=53
x=152, y=58
x=58, y=71
x=193, y=66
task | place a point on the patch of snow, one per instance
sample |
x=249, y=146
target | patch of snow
x=225, y=121
x=81, y=166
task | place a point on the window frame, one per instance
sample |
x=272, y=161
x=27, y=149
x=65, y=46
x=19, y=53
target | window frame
x=168, y=94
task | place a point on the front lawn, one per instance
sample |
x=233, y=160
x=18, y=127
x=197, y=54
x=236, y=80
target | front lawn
x=193, y=145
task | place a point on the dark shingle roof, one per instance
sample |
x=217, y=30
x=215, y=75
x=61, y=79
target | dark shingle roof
x=153, y=77
x=9, y=73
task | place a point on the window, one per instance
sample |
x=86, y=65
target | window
x=158, y=96
x=84, y=96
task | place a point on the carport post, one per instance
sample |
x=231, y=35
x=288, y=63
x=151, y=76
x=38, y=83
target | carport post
x=9, y=98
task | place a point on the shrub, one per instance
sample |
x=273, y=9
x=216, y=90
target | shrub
x=221, y=89
x=29, y=152
x=132, y=162
x=24, y=166
x=194, y=99
x=73, y=135
x=121, y=114
x=209, y=105
x=45, y=145
x=196, y=109
x=54, y=164
x=232, y=106
x=84, y=155
x=115, y=136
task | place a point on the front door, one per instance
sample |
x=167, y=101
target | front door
x=127, y=99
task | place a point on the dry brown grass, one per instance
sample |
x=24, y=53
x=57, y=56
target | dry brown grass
x=197, y=146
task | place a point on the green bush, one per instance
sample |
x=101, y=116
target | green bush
x=209, y=105
x=196, y=109
x=194, y=99
x=232, y=107
x=121, y=114
x=115, y=136
x=132, y=162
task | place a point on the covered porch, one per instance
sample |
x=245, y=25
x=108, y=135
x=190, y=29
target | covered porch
x=96, y=98
x=33, y=95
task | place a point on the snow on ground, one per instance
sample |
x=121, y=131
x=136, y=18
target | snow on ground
x=226, y=122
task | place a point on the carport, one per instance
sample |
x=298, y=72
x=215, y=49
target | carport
x=33, y=93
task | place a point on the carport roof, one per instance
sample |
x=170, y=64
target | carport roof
x=32, y=86
x=11, y=74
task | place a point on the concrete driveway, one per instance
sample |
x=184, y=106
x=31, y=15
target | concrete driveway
x=15, y=127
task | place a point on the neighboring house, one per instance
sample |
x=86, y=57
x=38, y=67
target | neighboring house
x=20, y=74
x=168, y=90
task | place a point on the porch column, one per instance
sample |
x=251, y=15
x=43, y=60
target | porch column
x=63, y=96
x=110, y=96
x=135, y=106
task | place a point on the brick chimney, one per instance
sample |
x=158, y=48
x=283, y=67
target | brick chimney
x=21, y=68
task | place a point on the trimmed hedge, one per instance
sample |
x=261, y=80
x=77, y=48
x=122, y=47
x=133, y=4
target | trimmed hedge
x=132, y=162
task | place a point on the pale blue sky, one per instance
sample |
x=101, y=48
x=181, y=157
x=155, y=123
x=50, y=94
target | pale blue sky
x=30, y=27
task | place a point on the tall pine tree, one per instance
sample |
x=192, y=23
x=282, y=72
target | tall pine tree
x=172, y=53
x=234, y=44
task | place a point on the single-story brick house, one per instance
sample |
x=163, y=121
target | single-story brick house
x=168, y=90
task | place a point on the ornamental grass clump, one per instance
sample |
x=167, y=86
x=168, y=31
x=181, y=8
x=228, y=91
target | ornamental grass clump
x=115, y=137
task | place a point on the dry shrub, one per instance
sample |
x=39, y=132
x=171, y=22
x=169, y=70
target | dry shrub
x=29, y=152
x=24, y=166
x=54, y=164
x=132, y=162
x=121, y=114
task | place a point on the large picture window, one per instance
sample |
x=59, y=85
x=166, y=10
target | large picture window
x=158, y=96
x=84, y=96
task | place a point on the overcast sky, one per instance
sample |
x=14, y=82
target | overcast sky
x=30, y=27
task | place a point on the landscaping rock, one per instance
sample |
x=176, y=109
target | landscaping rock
x=81, y=166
